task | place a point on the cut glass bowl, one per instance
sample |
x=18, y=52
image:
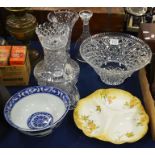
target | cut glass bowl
x=115, y=56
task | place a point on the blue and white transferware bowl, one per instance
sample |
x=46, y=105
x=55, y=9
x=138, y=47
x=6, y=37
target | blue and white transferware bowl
x=37, y=110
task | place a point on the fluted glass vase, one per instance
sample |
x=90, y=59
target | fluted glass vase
x=53, y=70
x=67, y=17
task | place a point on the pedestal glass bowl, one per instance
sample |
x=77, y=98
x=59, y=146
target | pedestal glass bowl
x=115, y=56
x=37, y=110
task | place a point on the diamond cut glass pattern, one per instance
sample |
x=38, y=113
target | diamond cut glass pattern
x=54, y=69
x=115, y=56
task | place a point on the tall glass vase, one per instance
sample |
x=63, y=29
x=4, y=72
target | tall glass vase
x=53, y=70
x=69, y=18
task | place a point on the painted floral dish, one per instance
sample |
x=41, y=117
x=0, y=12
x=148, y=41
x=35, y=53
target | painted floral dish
x=112, y=115
x=37, y=110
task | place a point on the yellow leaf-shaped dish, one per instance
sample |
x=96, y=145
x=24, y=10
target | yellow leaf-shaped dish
x=112, y=115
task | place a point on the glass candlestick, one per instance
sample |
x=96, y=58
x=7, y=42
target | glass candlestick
x=54, y=70
x=85, y=16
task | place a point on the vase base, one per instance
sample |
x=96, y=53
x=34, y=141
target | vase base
x=67, y=83
x=71, y=74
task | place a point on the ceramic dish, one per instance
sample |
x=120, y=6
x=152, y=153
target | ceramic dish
x=112, y=115
x=37, y=110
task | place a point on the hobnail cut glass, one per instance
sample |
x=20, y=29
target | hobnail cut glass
x=54, y=70
x=115, y=56
x=53, y=38
x=69, y=18
x=52, y=35
x=64, y=16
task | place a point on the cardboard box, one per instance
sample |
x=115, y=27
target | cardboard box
x=18, y=55
x=17, y=75
x=146, y=76
x=149, y=102
x=4, y=55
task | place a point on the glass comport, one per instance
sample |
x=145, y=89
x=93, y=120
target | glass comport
x=115, y=56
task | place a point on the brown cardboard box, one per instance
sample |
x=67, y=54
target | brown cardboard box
x=147, y=76
x=18, y=55
x=17, y=75
x=4, y=55
x=149, y=102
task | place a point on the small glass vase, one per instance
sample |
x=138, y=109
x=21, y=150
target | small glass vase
x=53, y=70
x=85, y=16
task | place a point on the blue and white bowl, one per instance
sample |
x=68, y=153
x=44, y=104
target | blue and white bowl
x=37, y=110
